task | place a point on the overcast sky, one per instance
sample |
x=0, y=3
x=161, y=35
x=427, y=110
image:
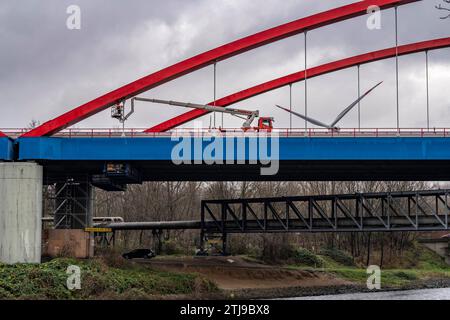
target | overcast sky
x=47, y=69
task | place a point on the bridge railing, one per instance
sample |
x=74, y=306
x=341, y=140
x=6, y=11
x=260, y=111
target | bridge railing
x=282, y=132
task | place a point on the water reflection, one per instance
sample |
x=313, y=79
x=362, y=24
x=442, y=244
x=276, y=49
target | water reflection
x=428, y=294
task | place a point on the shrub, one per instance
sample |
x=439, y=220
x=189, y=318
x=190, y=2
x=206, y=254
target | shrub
x=98, y=281
x=112, y=257
x=238, y=246
x=305, y=257
x=171, y=247
x=406, y=275
x=276, y=249
x=338, y=256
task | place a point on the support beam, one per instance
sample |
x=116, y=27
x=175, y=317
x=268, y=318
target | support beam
x=300, y=76
x=200, y=61
x=73, y=205
x=20, y=212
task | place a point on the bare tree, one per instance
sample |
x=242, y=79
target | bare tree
x=443, y=8
x=168, y=201
x=33, y=124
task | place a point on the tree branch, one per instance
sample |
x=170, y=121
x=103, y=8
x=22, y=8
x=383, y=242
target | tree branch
x=440, y=7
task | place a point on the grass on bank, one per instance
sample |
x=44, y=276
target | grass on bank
x=98, y=281
x=111, y=277
x=418, y=263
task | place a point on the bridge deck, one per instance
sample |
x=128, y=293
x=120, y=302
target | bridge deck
x=301, y=158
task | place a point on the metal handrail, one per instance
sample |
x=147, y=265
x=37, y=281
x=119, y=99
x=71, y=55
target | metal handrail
x=282, y=132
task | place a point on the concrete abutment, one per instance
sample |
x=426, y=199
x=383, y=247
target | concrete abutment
x=20, y=212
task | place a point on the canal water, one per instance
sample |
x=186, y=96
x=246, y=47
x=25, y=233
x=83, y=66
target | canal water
x=427, y=294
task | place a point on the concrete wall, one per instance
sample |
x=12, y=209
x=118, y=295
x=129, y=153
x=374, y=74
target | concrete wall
x=20, y=212
x=68, y=243
x=440, y=246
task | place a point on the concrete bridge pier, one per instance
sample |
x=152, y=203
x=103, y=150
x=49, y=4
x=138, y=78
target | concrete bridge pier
x=20, y=212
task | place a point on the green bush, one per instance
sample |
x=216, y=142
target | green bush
x=305, y=257
x=238, y=245
x=420, y=257
x=406, y=275
x=338, y=256
x=171, y=247
x=48, y=281
x=276, y=249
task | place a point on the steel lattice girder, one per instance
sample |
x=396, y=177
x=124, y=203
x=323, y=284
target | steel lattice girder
x=399, y=211
x=398, y=224
x=300, y=76
x=210, y=57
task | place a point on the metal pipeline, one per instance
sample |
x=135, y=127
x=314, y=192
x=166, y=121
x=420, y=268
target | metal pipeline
x=163, y=225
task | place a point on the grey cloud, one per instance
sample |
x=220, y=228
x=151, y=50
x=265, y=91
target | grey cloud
x=47, y=69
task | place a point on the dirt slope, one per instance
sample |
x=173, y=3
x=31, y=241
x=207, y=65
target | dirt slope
x=235, y=273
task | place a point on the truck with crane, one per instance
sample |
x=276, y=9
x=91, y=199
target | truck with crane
x=264, y=123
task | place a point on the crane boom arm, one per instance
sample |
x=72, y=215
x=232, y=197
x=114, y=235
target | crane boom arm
x=251, y=115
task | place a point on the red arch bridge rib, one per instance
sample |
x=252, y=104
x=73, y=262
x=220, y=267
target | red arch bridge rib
x=300, y=76
x=210, y=57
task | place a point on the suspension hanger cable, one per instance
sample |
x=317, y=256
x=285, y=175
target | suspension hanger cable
x=215, y=91
x=290, y=105
x=428, y=88
x=397, y=68
x=359, y=96
x=306, y=80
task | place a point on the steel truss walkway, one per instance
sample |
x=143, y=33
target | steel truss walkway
x=368, y=212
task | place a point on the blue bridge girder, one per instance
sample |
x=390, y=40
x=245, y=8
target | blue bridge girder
x=297, y=148
x=300, y=158
x=6, y=149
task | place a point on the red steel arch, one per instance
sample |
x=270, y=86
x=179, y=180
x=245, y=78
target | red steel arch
x=300, y=76
x=202, y=60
